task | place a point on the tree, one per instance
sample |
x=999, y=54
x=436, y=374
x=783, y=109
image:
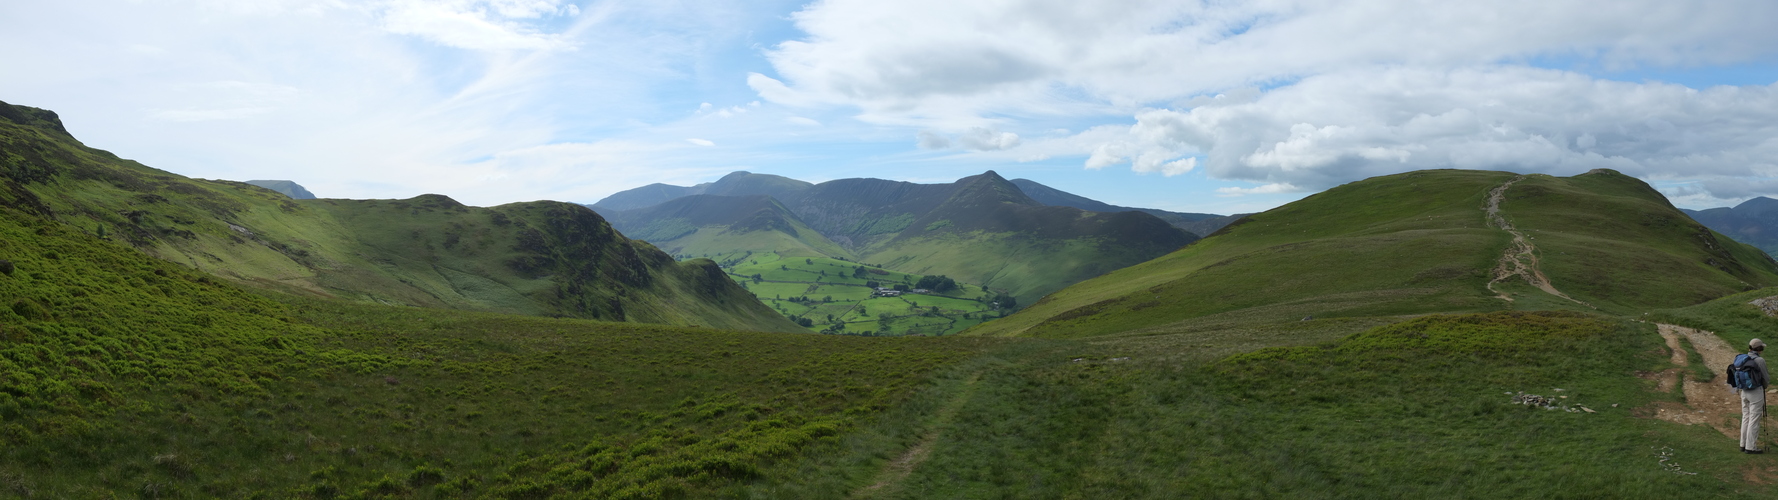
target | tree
x=809, y=261
x=873, y=284
x=805, y=322
x=936, y=283
x=901, y=287
x=859, y=272
x=1005, y=301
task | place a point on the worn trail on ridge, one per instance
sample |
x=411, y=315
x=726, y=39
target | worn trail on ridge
x=1520, y=258
x=1709, y=403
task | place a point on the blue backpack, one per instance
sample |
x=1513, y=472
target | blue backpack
x=1742, y=373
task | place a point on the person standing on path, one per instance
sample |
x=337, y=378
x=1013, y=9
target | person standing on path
x=1753, y=401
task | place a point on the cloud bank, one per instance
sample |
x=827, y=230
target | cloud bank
x=1303, y=95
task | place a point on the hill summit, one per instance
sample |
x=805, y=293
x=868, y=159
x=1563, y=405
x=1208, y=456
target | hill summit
x=1422, y=242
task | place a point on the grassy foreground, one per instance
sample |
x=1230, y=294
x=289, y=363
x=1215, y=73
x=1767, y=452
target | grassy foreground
x=1415, y=409
x=123, y=375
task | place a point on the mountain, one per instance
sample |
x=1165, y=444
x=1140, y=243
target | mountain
x=1754, y=222
x=1198, y=224
x=704, y=224
x=738, y=183
x=1418, y=243
x=288, y=188
x=539, y=258
x=981, y=229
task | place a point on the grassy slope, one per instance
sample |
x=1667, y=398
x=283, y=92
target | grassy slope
x=1629, y=250
x=1026, y=267
x=1415, y=243
x=1426, y=226
x=426, y=251
x=126, y=375
x=1413, y=410
x=718, y=240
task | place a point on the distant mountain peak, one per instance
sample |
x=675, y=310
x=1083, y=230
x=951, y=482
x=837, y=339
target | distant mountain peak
x=288, y=188
x=990, y=187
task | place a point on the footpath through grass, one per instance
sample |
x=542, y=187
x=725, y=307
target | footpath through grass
x=1417, y=409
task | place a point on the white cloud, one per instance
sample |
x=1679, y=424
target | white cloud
x=932, y=140
x=986, y=139
x=798, y=120
x=1275, y=188
x=930, y=60
x=204, y=115
x=475, y=24
x=701, y=142
x=1333, y=128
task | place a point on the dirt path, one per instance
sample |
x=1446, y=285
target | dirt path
x=1520, y=258
x=1709, y=403
x=889, y=479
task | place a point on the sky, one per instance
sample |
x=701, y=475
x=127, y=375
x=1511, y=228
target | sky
x=1193, y=106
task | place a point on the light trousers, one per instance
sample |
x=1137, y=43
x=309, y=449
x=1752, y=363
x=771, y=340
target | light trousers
x=1753, y=409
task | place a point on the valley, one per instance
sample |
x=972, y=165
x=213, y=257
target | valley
x=1441, y=333
x=841, y=297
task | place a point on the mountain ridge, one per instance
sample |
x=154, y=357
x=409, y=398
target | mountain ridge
x=539, y=258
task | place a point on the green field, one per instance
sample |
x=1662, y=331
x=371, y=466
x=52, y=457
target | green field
x=833, y=295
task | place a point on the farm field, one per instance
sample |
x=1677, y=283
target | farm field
x=836, y=296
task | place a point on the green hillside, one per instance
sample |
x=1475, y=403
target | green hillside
x=124, y=375
x=543, y=258
x=1418, y=243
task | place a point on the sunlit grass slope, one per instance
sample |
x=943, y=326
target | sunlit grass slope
x=127, y=376
x=543, y=258
x=1417, y=243
x=1389, y=245
x=1612, y=240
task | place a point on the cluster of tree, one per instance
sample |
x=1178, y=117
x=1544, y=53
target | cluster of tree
x=1004, y=301
x=936, y=283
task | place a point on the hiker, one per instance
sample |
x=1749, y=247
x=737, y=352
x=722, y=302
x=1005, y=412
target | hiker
x=1753, y=395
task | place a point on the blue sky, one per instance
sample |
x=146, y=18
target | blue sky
x=1218, y=107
